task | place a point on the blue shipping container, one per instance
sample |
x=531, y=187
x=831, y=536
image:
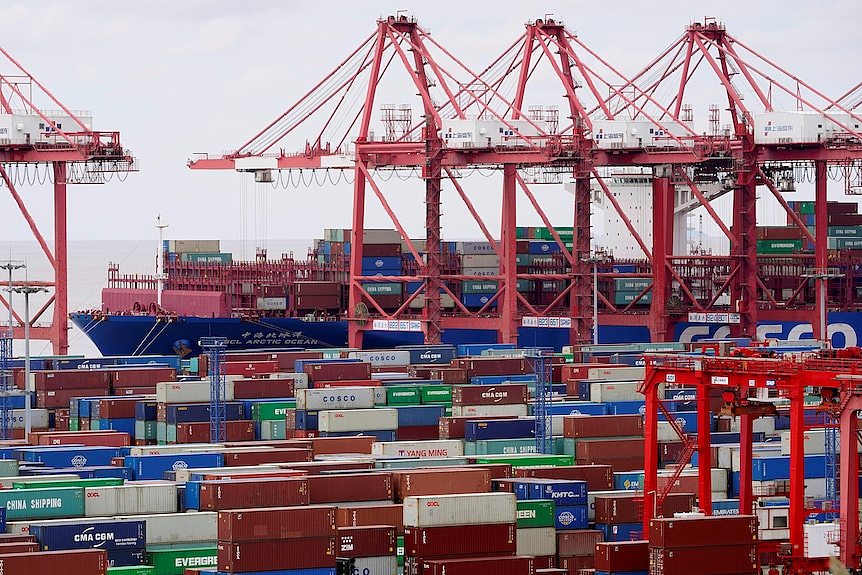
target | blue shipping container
x=125, y=425
x=82, y=456
x=431, y=354
x=382, y=262
x=477, y=299
x=726, y=507
x=418, y=415
x=562, y=492
x=577, y=408
x=502, y=379
x=569, y=517
x=625, y=407
x=769, y=468
x=154, y=466
x=107, y=535
x=499, y=429
x=540, y=247
x=200, y=412
x=127, y=558
x=306, y=419
x=620, y=531
x=627, y=480
x=146, y=410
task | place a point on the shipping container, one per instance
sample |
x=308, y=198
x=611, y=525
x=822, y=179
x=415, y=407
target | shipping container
x=535, y=513
x=275, y=555
x=276, y=523
x=629, y=508
x=172, y=560
x=386, y=565
x=603, y=426
x=422, y=482
x=579, y=542
x=45, y=503
x=700, y=531
x=337, y=371
x=420, y=449
x=489, y=394
x=358, y=420
x=349, y=487
x=598, y=477
x=365, y=515
x=623, y=556
x=246, y=493
x=497, y=538
x=513, y=565
x=83, y=561
x=130, y=499
x=474, y=509
x=715, y=559
x=537, y=542
x=112, y=535
x=335, y=398
x=368, y=541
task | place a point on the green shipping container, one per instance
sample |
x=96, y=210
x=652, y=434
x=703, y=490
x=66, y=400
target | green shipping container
x=805, y=208
x=145, y=430
x=535, y=513
x=625, y=298
x=383, y=288
x=207, y=258
x=844, y=231
x=273, y=430
x=528, y=460
x=632, y=284
x=42, y=483
x=47, y=503
x=508, y=446
x=399, y=551
x=479, y=287
x=403, y=395
x=74, y=424
x=778, y=246
x=845, y=243
x=136, y=570
x=566, y=233
x=436, y=394
x=272, y=410
x=175, y=560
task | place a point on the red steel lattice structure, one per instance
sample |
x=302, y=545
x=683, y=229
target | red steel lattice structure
x=837, y=381
x=56, y=144
x=597, y=97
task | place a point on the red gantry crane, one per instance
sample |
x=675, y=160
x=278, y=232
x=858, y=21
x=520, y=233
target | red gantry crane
x=495, y=121
x=43, y=141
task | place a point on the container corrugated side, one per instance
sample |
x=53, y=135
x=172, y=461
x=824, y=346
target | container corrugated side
x=519, y=410
x=162, y=529
x=277, y=523
x=382, y=357
x=189, y=392
x=131, y=499
x=43, y=503
x=538, y=542
x=387, y=565
x=319, y=399
x=358, y=420
x=83, y=561
x=472, y=509
x=420, y=449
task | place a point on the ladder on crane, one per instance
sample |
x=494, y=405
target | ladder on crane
x=7, y=384
x=541, y=403
x=215, y=348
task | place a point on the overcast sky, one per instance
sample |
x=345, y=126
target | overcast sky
x=179, y=77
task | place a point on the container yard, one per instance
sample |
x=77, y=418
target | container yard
x=526, y=403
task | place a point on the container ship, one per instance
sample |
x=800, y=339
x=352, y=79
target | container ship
x=300, y=302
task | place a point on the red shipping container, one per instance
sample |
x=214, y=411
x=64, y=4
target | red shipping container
x=338, y=488
x=629, y=509
x=89, y=438
x=380, y=250
x=574, y=372
x=465, y=540
x=142, y=377
x=241, y=493
x=273, y=555
x=619, y=464
x=54, y=398
x=135, y=390
x=62, y=420
x=448, y=375
x=493, y=366
x=419, y=433
x=308, y=302
x=712, y=560
x=603, y=426
x=262, y=388
x=335, y=445
x=13, y=538
x=79, y=562
x=72, y=379
x=280, y=455
x=301, y=433
x=598, y=477
x=506, y=394
x=276, y=523
x=19, y=547
x=338, y=371
x=200, y=432
x=317, y=288
x=623, y=556
x=367, y=541
x=701, y=531
x=496, y=565
x=587, y=449
x=249, y=368
x=454, y=427
x=443, y=481
x=578, y=543
x=389, y=301
x=117, y=408
x=573, y=565
x=286, y=359
x=368, y=515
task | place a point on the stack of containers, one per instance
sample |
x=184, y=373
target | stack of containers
x=381, y=256
x=270, y=418
x=620, y=516
x=478, y=259
x=536, y=533
x=116, y=414
x=458, y=526
x=124, y=541
x=708, y=545
x=371, y=549
x=615, y=440
x=189, y=423
x=146, y=422
x=55, y=388
x=313, y=296
x=576, y=549
x=483, y=400
x=340, y=411
x=569, y=498
x=626, y=291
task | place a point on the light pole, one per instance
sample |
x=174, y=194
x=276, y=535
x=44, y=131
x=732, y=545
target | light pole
x=26, y=291
x=10, y=267
x=595, y=259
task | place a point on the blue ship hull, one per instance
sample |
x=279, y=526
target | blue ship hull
x=118, y=335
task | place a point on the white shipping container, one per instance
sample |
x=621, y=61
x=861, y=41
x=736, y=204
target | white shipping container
x=335, y=398
x=418, y=302
x=387, y=565
x=358, y=420
x=8, y=467
x=518, y=410
x=815, y=442
x=616, y=134
x=539, y=542
x=420, y=449
x=617, y=373
x=383, y=357
x=300, y=380
x=602, y=391
x=794, y=127
x=470, y=509
x=482, y=272
x=820, y=539
x=380, y=237
x=39, y=417
x=760, y=425
x=178, y=448
x=475, y=248
x=131, y=499
x=272, y=303
x=480, y=260
x=189, y=392
x=771, y=451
